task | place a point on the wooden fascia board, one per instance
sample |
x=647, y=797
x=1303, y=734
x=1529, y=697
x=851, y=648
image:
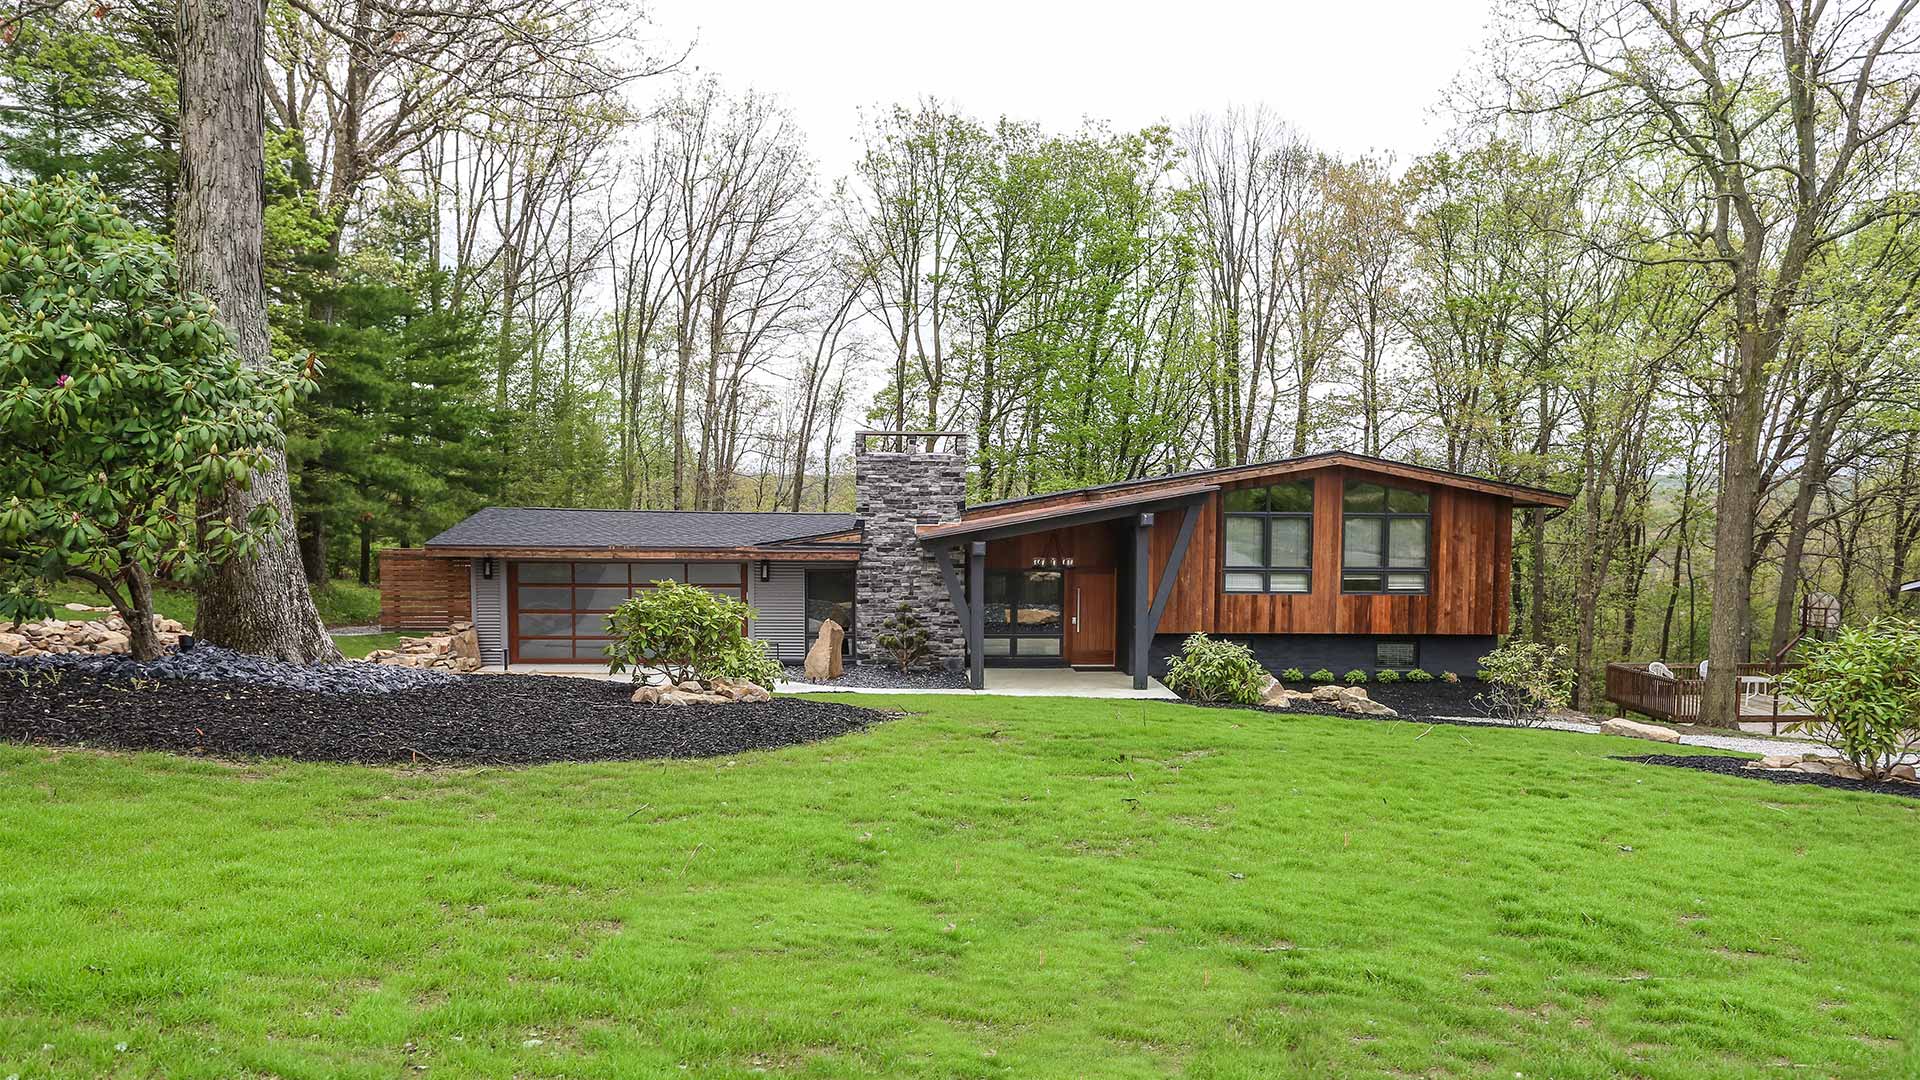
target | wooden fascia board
x=1043, y=519
x=1520, y=494
x=652, y=554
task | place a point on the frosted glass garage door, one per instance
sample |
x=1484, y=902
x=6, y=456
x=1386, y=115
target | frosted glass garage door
x=559, y=609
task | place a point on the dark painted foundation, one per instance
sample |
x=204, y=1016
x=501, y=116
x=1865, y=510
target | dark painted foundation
x=1341, y=653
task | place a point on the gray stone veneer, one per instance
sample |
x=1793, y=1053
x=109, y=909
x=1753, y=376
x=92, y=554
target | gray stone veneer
x=895, y=491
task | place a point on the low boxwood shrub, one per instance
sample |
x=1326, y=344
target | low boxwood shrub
x=1293, y=674
x=1864, y=687
x=1483, y=674
x=1355, y=677
x=1322, y=676
x=1208, y=670
x=684, y=632
x=1420, y=675
x=1387, y=676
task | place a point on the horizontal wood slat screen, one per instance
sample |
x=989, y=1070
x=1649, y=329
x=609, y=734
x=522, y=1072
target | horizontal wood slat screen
x=423, y=592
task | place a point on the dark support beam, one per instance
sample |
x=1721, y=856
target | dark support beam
x=1171, y=572
x=1142, y=632
x=943, y=554
x=977, y=615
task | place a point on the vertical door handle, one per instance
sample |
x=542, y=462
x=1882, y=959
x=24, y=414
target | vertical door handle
x=1076, y=609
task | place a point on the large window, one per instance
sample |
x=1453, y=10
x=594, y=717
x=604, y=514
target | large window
x=1269, y=539
x=1384, y=535
x=1023, y=613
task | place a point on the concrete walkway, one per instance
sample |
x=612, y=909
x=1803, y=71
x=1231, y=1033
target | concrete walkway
x=1712, y=742
x=1020, y=682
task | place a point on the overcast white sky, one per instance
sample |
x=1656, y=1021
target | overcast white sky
x=1353, y=75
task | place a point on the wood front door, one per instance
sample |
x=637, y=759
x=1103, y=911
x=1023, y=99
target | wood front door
x=1091, y=623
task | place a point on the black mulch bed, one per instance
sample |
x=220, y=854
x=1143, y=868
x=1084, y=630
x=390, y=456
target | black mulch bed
x=1736, y=766
x=480, y=719
x=882, y=677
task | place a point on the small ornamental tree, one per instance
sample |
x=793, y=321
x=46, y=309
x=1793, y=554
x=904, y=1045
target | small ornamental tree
x=684, y=632
x=903, y=636
x=1525, y=680
x=122, y=404
x=1864, y=689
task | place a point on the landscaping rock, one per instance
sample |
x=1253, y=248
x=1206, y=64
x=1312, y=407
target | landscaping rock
x=1633, y=729
x=717, y=692
x=1347, y=699
x=823, y=658
x=457, y=650
x=1282, y=698
x=60, y=637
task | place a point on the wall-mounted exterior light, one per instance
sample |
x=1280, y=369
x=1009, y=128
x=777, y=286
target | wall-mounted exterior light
x=486, y=568
x=766, y=570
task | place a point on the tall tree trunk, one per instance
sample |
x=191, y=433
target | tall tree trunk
x=1733, y=525
x=258, y=604
x=1813, y=475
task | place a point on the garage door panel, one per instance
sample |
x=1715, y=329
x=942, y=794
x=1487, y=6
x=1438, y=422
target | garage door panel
x=560, y=609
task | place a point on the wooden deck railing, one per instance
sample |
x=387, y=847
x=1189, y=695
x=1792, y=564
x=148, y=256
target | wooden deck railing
x=1634, y=688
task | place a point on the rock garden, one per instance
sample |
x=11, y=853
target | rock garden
x=703, y=693
x=906, y=645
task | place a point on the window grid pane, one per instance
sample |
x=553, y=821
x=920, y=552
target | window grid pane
x=1407, y=542
x=1243, y=541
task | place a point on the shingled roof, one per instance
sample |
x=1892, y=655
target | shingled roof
x=587, y=530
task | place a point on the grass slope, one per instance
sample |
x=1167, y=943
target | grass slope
x=991, y=887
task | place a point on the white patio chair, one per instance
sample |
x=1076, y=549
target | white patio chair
x=1661, y=670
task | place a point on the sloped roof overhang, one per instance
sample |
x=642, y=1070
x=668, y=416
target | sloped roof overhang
x=1019, y=522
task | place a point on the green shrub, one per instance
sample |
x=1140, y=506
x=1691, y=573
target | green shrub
x=1355, y=677
x=751, y=662
x=903, y=637
x=684, y=632
x=1387, y=676
x=1322, y=676
x=1450, y=677
x=1420, y=675
x=1209, y=670
x=1525, y=680
x=1293, y=674
x=1864, y=687
x=1483, y=674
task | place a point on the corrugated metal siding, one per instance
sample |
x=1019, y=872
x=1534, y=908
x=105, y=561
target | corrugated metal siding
x=780, y=603
x=490, y=612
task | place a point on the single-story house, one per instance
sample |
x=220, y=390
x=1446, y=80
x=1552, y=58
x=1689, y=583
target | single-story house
x=1330, y=560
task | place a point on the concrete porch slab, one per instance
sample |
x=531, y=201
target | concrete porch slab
x=1006, y=682
x=1021, y=682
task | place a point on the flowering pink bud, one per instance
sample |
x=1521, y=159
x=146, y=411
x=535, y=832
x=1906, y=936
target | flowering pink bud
x=63, y=380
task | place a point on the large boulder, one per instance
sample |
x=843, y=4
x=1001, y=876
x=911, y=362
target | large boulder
x=1633, y=729
x=823, y=659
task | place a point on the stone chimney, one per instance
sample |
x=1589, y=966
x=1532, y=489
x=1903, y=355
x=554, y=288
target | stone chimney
x=896, y=489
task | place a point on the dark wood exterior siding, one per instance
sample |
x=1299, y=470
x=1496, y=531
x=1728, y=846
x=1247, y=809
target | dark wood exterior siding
x=1470, y=589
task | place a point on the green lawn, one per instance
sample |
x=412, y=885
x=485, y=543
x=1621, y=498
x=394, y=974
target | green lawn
x=990, y=887
x=355, y=646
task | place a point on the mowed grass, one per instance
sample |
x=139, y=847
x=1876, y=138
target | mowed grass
x=988, y=887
